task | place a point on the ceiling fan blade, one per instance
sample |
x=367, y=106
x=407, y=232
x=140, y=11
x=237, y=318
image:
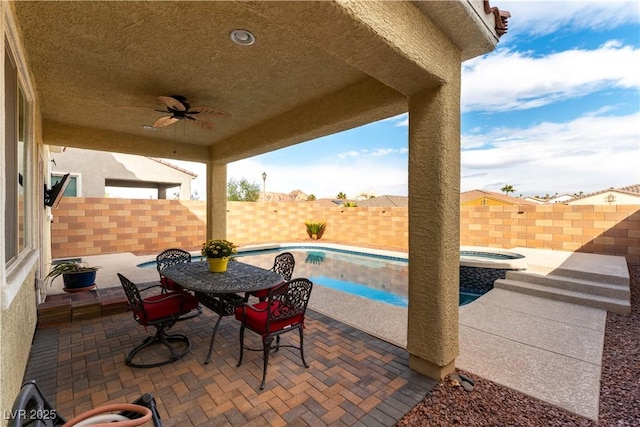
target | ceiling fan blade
x=209, y=111
x=202, y=123
x=164, y=121
x=172, y=103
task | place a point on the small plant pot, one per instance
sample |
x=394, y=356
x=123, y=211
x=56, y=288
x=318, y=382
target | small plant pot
x=79, y=280
x=218, y=265
x=315, y=230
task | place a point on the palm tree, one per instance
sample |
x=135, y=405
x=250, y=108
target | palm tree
x=341, y=196
x=508, y=189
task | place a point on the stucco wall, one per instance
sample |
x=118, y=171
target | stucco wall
x=85, y=226
x=16, y=329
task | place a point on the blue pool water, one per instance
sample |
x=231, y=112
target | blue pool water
x=377, y=277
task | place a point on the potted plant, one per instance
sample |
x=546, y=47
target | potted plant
x=315, y=229
x=76, y=275
x=218, y=252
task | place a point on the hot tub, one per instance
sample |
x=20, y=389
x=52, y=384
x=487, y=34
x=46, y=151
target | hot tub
x=481, y=266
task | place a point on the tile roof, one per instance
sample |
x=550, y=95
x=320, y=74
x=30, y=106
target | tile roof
x=171, y=165
x=468, y=196
x=633, y=190
x=385, y=201
x=500, y=17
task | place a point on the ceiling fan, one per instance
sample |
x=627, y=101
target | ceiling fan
x=179, y=109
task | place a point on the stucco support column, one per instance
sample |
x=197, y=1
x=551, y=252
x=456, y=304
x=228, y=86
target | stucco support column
x=216, y=200
x=434, y=230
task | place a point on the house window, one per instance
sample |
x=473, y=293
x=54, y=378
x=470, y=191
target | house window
x=18, y=188
x=72, y=190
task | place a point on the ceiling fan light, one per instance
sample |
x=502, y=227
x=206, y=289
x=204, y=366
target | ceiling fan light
x=242, y=37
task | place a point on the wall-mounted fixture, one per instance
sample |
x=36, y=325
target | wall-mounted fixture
x=53, y=196
x=242, y=37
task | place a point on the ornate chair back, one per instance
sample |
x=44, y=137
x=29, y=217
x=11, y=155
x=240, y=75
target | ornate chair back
x=283, y=264
x=168, y=258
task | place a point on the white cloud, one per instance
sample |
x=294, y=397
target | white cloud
x=380, y=152
x=377, y=152
x=507, y=80
x=325, y=180
x=588, y=154
x=546, y=17
x=346, y=154
x=402, y=120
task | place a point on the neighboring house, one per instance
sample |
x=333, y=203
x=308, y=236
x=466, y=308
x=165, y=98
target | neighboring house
x=92, y=171
x=490, y=198
x=536, y=200
x=385, y=201
x=629, y=195
x=562, y=198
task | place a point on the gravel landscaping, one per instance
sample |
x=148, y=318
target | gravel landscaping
x=490, y=404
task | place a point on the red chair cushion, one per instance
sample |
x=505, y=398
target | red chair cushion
x=169, y=304
x=257, y=320
x=264, y=293
x=261, y=294
x=170, y=284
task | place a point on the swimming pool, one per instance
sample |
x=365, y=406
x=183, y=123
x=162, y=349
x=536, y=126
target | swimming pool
x=378, y=275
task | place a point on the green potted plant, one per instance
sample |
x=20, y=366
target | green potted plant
x=76, y=275
x=315, y=229
x=218, y=252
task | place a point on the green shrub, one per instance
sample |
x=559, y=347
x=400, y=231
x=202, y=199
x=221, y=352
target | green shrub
x=315, y=229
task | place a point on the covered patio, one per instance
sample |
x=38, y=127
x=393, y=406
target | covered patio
x=91, y=74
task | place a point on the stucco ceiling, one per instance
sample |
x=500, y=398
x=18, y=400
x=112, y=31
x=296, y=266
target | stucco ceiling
x=92, y=60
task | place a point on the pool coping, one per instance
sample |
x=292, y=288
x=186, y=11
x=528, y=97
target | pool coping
x=518, y=263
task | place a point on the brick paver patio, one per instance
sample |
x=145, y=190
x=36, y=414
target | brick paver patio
x=354, y=379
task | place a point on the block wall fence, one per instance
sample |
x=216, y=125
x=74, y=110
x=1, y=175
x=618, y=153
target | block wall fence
x=93, y=226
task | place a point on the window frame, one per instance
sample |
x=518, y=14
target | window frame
x=76, y=177
x=19, y=266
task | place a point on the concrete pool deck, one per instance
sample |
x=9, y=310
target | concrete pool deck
x=547, y=349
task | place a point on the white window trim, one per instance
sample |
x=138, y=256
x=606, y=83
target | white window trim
x=13, y=276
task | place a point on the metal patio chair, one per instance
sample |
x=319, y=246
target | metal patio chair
x=283, y=311
x=161, y=311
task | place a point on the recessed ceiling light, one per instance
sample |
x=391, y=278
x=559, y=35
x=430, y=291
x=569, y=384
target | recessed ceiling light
x=242, y=37
x=149, y=128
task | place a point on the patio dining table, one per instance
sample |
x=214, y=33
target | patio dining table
x=219, y=292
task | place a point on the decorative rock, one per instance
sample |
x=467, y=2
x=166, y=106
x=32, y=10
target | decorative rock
x=466, y=386
x=466, y=378
x=454, y=383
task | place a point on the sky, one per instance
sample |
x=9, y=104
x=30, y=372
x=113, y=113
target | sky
x=555, y=108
